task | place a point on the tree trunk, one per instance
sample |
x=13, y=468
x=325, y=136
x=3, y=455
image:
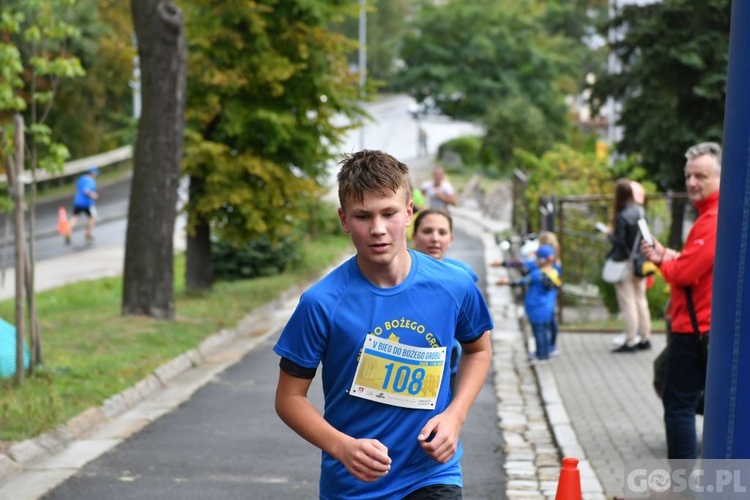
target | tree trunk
x=30, y=265
x=148, y=277
x=199, y=274
x=37, y=357
x=15, y=171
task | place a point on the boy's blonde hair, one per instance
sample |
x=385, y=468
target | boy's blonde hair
x=549, y=238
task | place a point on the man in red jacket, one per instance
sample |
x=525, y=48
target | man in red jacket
x=690, y=275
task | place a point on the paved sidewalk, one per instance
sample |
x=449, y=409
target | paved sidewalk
x=613, y=409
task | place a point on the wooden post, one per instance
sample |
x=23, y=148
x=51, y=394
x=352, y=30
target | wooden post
x=20, y=246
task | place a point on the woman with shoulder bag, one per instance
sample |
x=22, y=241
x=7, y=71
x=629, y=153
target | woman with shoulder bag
x=631, y=290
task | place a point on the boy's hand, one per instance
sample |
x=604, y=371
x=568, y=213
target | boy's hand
x=439, y=437
x=502, y=280
x=366, y=459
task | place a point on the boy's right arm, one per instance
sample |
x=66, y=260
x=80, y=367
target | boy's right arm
x=365, y=459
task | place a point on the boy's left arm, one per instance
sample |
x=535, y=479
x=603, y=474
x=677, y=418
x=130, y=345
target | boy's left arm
x=444, y=429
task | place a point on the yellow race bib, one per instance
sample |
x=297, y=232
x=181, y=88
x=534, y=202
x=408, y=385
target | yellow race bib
x=400, y=375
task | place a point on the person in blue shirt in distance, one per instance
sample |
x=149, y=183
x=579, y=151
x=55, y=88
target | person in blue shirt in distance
x=84, y=203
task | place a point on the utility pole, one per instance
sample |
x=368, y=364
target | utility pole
x=362, y=61
x=135, y=83
x=613, y=66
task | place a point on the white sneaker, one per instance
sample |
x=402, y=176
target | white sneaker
x=620, y=339
x=554, y=352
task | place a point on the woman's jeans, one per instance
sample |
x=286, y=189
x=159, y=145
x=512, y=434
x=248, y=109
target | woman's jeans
x=683, y=389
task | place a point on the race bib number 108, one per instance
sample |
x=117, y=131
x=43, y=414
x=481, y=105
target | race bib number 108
x=399, y=375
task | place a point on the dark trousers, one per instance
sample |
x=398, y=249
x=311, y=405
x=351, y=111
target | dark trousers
x=553, y=333
x=541, y=336
x=436, y=492
x=683, y=389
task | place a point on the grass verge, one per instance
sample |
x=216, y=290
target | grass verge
x=607, y=325
x=92, y=352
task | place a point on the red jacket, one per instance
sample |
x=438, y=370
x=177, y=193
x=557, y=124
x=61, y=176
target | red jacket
x=694, y=268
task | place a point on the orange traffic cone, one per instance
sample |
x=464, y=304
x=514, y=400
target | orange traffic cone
x=62, y=222
x=569, y=485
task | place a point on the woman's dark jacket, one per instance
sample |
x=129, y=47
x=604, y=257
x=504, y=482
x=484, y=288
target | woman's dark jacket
x=625, y=233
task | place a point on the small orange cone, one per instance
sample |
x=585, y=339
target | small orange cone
x=62, y=222
x=569, y=485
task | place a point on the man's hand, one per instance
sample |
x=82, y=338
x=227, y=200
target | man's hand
x=366, y=459
x=653, y=253
x=439, y=437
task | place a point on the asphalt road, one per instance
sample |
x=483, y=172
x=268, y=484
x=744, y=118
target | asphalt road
x=226, y=442
x=110, y=229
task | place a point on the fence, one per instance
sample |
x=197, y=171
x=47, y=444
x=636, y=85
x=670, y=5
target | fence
x=75, y=167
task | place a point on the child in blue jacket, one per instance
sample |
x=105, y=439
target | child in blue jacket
x=541, y=285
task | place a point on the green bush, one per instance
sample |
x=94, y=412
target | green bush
x=658, y=295
x=259, y=257
x=321, y=220
x=608, y=296
x=467, y=148
x=263, y=256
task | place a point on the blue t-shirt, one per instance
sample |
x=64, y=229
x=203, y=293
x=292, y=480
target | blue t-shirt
x=456, y=344
x=433, y=304
x=463, y=265
x=85, y=183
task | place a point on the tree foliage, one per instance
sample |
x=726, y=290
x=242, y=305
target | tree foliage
x=95, y=113
x=36, y=58
x=90, y=110
x=672, y=84
x=506, y=64
x=564, y=171
x=270, y=94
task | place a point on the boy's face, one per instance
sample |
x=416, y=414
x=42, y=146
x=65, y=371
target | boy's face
x=377, y=226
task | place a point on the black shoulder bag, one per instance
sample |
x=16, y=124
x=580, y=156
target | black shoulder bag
x=701, y=340
x=660, y=362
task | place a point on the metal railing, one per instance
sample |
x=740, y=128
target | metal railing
x=79, y=166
